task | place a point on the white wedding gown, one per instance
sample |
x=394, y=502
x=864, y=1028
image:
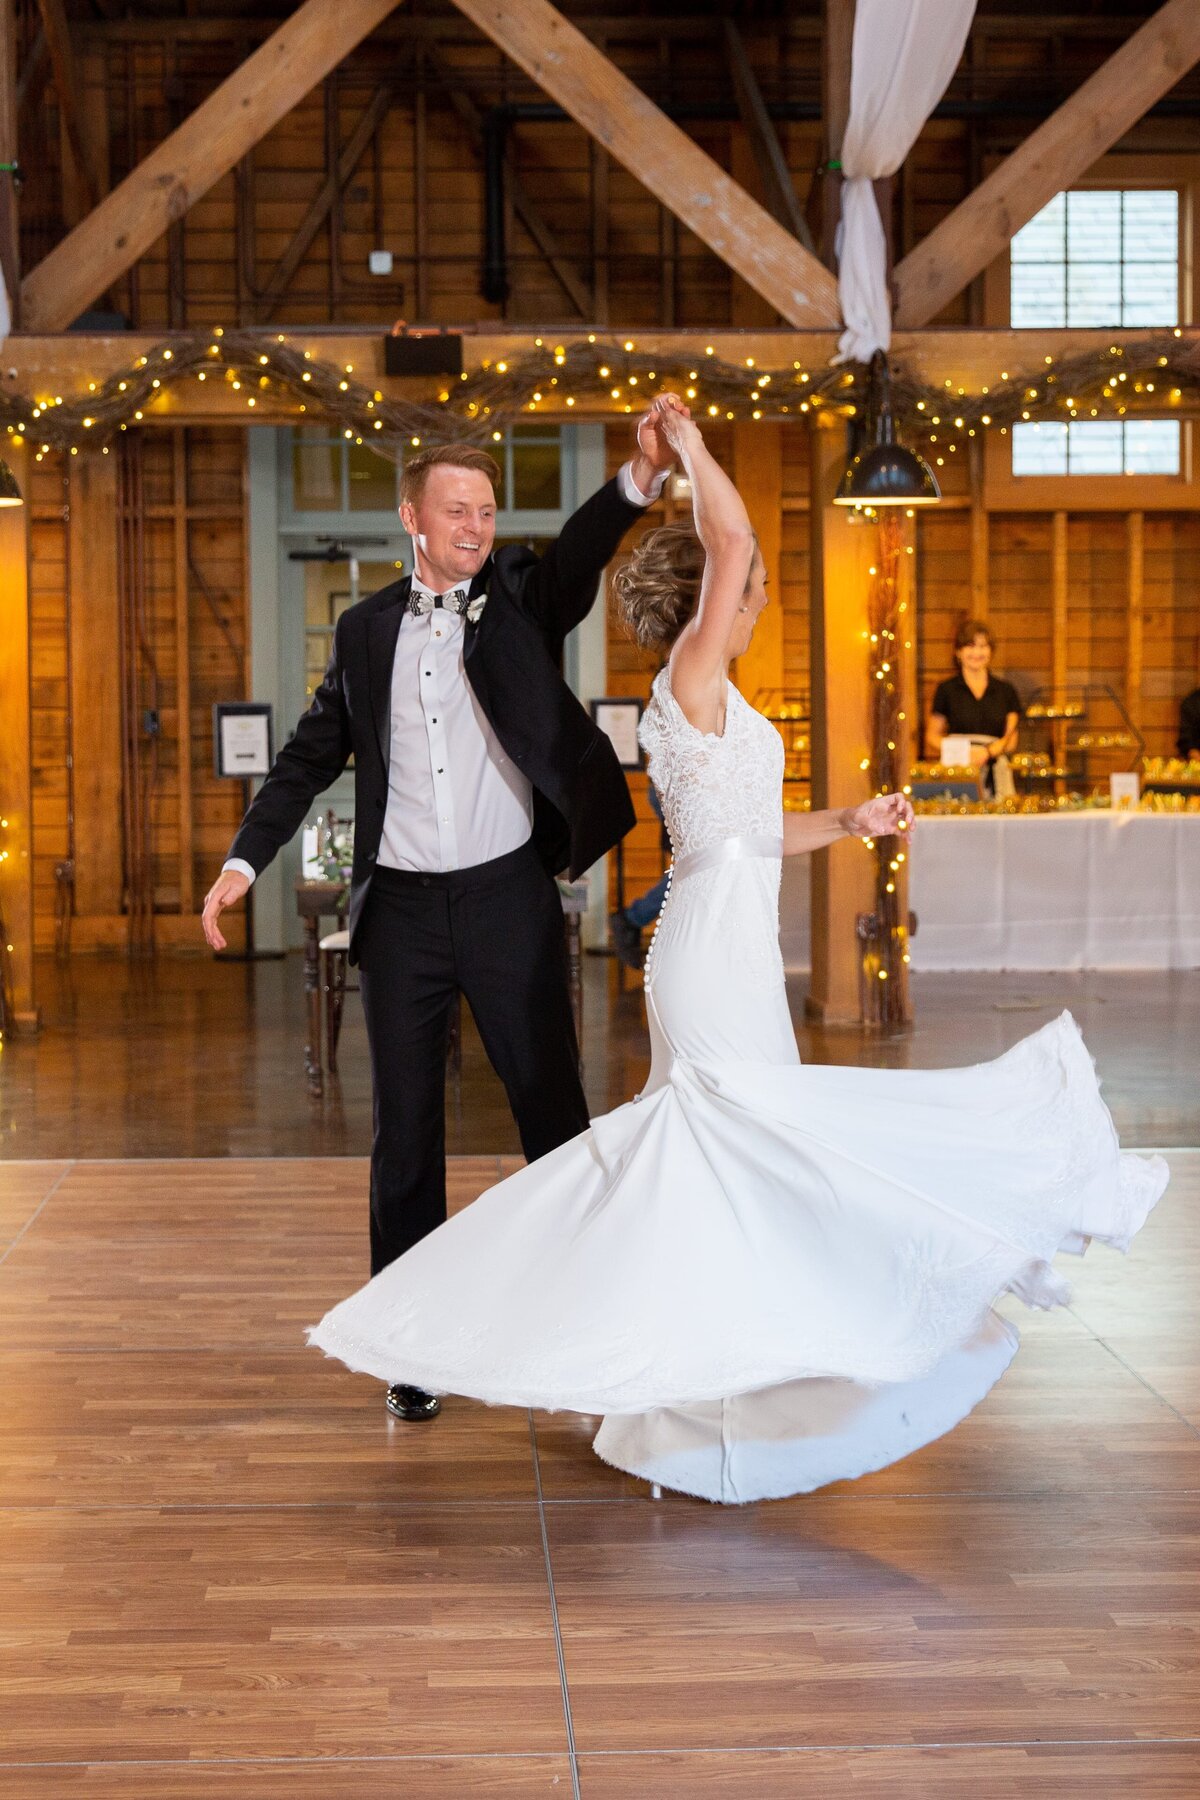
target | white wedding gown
x=766, y=1276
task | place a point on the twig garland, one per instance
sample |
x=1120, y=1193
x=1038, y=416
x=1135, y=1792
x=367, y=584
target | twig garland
x=1157, y=376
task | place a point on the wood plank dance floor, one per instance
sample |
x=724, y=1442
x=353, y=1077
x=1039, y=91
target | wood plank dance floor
x=224, y=1573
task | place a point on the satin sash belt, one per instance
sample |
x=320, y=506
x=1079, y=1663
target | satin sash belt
x=728, y=850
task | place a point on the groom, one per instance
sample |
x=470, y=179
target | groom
x=478, y=776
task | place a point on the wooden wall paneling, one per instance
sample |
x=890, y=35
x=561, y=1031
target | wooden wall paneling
x=80, y=186
x=10, y=248
x=95, y=696
x=842, y=874
x=1171, y=665
x=183, y=675
x=775, y=180
x=979, y=534
x=1135, y=543
x=223, y=127
x=1020, y=579
x=758, y=477
x=563, y=62
x=420, y=139
x=16, y=761
x=837, y=42
x=50, y=697
x=599, y=198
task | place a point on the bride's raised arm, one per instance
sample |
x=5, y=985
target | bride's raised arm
x=700, y=657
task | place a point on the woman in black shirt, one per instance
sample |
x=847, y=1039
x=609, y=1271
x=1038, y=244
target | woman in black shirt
x=975, y=703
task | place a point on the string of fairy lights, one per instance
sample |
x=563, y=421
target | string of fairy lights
x=1157, y=375
x=884, y=932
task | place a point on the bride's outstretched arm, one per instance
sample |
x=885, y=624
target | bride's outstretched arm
x=700, y=658
x=888, y=815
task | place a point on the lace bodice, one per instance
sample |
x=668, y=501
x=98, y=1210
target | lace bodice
x=713, y=787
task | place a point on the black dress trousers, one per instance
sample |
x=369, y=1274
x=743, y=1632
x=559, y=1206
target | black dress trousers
x=495, y=934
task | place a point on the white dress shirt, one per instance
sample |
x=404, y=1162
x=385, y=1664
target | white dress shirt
x=454, y=798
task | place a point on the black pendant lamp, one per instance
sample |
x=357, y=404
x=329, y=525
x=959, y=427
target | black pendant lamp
x=10, y=493
x=887, y=473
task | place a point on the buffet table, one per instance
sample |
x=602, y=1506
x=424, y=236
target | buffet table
x=1086, y=890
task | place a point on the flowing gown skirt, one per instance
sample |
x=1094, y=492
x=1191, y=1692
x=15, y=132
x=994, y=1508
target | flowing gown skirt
x=766, y=1276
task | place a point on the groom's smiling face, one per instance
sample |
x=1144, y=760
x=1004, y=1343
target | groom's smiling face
x=452, y=525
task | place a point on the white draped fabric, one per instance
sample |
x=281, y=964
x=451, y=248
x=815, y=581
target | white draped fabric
x=905, y=52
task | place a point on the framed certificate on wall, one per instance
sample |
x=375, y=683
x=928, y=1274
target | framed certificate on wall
x=241, y=739
x=619, y=719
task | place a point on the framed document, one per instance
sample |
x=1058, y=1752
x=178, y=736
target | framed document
x=619, y=719
x=241, y=738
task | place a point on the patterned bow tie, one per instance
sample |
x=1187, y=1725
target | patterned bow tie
x=456, y=601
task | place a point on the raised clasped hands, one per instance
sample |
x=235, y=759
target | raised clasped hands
x=888, y=815
x=659, y=433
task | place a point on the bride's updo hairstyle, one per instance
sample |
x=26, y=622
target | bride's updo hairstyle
x=658, y=589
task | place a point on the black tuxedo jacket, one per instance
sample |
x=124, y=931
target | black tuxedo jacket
x=511, y=656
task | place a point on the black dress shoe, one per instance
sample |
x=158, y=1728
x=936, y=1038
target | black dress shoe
x=412, y=1403
x=626, y=939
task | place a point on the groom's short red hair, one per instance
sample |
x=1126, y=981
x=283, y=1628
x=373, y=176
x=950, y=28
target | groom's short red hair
x=415, y=472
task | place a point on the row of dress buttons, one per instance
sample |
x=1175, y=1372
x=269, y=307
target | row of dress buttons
x=658, y=925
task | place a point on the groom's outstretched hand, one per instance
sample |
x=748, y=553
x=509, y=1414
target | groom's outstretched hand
x=885, y=816
x=226, y=890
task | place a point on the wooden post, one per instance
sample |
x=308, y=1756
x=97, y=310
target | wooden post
x=16, y=750
x=843, y=874
x=911, y=723
x=183, y=675
x=1058, y=634
x=95, y=692
x=758, y=476
x=1136, y=615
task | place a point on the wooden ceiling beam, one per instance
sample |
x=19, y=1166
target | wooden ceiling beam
x=187, y=163
x=568, y=67
x=1057, y=153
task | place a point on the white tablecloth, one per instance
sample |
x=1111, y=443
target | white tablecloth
x=1091, y=890
x=1061, y=891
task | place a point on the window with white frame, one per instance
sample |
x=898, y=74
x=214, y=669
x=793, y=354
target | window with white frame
x=1097, y=257
x=333, y=474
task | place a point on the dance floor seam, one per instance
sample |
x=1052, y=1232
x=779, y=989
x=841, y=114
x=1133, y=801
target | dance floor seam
x=219, y=1555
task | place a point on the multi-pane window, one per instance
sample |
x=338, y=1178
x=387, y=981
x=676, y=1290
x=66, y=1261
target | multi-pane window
x=1096, y=447
x=333, y=474
x=1099, y=257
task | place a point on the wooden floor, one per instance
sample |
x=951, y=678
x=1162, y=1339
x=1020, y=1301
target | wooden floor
x=224, y=1573
x=187, y=1057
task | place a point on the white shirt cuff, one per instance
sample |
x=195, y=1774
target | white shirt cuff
x=630, y=490
x=235, y=865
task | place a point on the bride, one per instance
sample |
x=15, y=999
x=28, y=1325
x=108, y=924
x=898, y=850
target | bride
x=765, y=1276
